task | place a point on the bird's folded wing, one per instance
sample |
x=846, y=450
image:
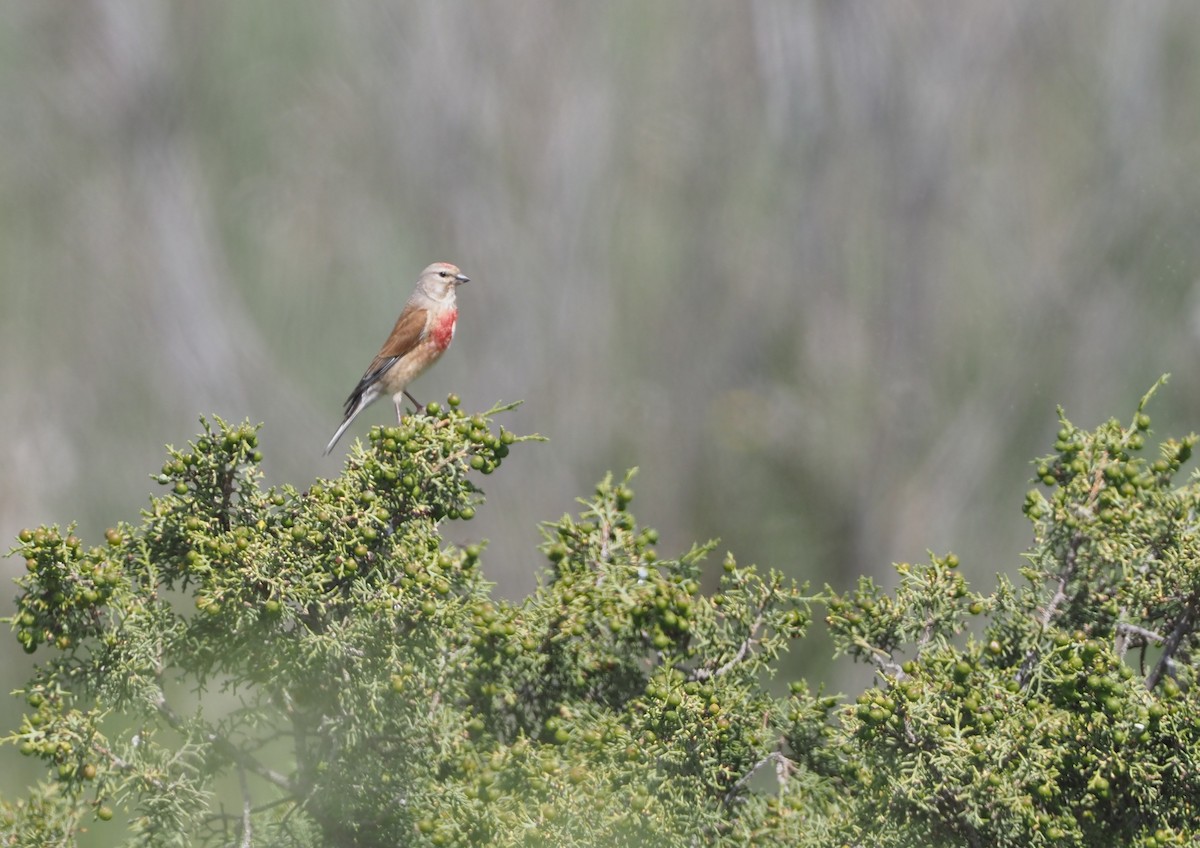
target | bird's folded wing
x=408, y=332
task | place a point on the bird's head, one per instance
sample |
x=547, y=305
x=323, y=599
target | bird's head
x=440, y=279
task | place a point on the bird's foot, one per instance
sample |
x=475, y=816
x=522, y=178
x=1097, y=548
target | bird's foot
x=419, y=408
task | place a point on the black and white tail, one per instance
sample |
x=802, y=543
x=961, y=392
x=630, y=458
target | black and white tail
x=356, y=404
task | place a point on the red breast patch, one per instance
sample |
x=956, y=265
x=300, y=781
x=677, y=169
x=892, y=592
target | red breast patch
x=443, y=330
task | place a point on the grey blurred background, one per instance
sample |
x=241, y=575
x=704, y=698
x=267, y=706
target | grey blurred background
x=821, y=269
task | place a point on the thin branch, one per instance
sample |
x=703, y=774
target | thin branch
x=257, y=811
x=227, y=748
x=783, y=770
x=926, y=635
x=705, y=673
x=1068, y=572
x=1060, y=595
x=246, y=808
x=880, y=658
x=1182, y=628
x=124, y=765
x=605, y=536
x=1142, y=637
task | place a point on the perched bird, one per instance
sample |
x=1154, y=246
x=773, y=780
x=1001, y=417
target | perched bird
x=421, y=335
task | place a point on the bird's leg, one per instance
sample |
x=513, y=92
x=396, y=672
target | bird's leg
x=420, y=408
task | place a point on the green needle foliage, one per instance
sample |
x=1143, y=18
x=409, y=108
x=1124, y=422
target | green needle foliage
x=1072, y=718
x=274, y=667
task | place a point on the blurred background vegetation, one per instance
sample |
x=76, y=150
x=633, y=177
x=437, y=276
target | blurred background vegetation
x=821, y=269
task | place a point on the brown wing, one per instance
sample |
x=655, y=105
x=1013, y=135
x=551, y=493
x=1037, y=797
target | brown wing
x=410, y=326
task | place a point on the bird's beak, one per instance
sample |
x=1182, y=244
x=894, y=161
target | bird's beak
x=459, y=279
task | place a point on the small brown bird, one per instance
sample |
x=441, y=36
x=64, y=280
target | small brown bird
x=421, y=335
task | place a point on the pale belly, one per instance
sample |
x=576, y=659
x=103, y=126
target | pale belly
x=408, y=368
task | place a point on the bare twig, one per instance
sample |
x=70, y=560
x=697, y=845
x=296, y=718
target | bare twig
x=227, y=748
x=1060, y=595
x=880, y=658
x=1183, y=626
x=605, y=536
x=246, y=808
x=705, y=673
x=1125, y=630
x=783, y=770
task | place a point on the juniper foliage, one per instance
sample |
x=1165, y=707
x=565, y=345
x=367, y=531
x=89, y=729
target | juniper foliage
x=250, y=666
x=1070, y=716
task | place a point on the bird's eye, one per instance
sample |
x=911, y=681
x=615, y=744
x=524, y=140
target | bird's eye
x=443, y=274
